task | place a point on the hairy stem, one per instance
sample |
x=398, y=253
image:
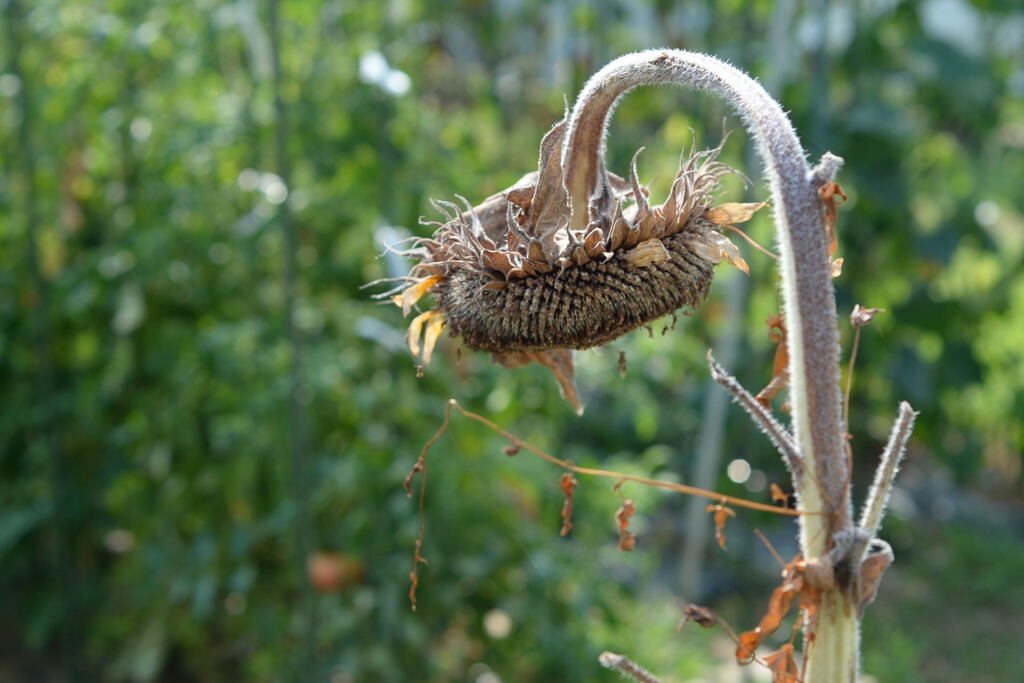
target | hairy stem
x=878, y=495
x=803, y=248
x=810, y=308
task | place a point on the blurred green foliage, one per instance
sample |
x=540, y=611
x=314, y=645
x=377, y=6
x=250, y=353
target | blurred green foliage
x=164, y=478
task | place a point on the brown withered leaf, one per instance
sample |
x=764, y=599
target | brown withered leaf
x=568, y=485
x=733, y=212
x=793, y=584
x=409, y=297
x=871, y=571
x=780, y=364
x=622, y=365
x=722, y=514
x=782, y=664
x=417, y=558
x=716, y=247
x=702, y=616
x=828, y=194
x=627, y=540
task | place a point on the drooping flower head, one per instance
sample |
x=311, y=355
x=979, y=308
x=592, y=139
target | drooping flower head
x=522, y=277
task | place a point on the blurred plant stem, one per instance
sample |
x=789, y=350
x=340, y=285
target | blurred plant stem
x=45, y=419
x=300, y=478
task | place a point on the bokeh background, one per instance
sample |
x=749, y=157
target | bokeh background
x=200, y=404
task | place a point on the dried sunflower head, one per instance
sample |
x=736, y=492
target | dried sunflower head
x=514, y=277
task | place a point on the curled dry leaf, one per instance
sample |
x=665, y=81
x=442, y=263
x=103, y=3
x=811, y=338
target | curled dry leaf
x=871, y=570
x=568, y=485
x=627, y=540
x=793, y=585
x=622, y=364
x=722, y=514
x=414, y=581
x=828, y=193
x=780, y=364
x=782, y=664
x=861, y=316
x=702, y=616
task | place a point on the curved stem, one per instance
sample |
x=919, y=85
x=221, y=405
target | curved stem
x=800, y=221
x=810, y=308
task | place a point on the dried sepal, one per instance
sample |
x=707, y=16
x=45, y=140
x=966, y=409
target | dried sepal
x=647, y=252
x=733, y=212
x=433, y=323
x=716, y=247
x=408, y=298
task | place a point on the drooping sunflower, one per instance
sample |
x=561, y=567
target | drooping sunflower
x=514, y=277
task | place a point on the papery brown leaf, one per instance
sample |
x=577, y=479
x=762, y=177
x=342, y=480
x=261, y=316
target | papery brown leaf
x=622, y=365
x=746, y=645
x=722, y=514
x=568, y=485
x=627, y=540
x=733, y=212
x=702, y=616
x=410, y=296
x=715, y=247
x=647, y=252
x=778, y=606
x=782, y=664
x=871, y=571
